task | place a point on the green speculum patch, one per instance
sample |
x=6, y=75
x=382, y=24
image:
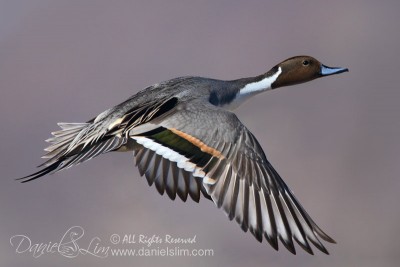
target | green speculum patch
x=182, y=146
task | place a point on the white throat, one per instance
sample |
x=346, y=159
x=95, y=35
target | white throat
x=251, y=89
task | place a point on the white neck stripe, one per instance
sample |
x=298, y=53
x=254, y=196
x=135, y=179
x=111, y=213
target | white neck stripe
x=262, y=85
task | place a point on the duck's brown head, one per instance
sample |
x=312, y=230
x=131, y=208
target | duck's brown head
x=301, y=69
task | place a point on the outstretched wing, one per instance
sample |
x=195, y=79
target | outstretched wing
x=200, y=147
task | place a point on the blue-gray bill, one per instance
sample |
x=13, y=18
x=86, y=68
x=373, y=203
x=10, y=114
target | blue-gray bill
x=326, y=71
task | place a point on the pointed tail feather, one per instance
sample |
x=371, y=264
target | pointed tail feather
x=49, y=169
x=69, y=147
x=56, y=151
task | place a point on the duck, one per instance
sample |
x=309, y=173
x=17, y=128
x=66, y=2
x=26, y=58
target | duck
x=187, y=142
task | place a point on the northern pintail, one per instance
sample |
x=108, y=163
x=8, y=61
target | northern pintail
x=186, y=141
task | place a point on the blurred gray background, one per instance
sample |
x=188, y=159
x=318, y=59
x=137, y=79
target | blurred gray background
x=335, y=140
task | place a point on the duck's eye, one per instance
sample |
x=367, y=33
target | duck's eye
x=306, y=63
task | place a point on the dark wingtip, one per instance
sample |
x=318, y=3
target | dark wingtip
x=273, y=241
x=257, y=234
x=323, y=235
x=328, y=239
x=306, y=246
x=324, y=250
x=288, y=245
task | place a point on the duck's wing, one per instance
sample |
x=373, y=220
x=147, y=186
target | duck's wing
x=212, y=147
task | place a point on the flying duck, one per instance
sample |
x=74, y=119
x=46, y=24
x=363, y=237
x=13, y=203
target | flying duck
x=187, y=142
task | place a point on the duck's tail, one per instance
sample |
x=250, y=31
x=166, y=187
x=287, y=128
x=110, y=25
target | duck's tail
x=59, y=144
x=71, y=145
